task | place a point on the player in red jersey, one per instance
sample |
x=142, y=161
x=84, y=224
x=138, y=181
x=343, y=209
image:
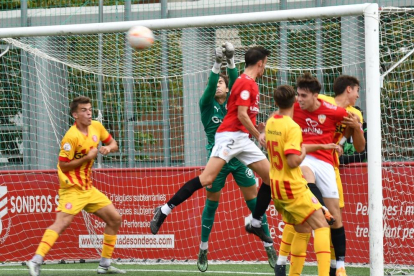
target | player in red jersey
x=319, y=120
x=232, y=141
x=79, y=148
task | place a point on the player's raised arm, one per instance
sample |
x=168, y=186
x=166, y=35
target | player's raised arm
x=210, y=91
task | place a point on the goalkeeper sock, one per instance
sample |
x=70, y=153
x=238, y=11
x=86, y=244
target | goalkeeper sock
x=216, y=68
x=207, y=219
x=230, y=63
x=108, y=247
x=49, y=238
x=251, y=204
x=262, y=202
x=185, y=192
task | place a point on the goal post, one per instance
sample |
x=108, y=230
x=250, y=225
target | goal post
x=149, y=102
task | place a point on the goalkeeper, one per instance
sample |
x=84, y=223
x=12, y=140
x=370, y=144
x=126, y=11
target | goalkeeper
x=213, y=109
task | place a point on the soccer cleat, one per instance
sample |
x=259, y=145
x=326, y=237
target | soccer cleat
x=332, y=271
x=202, y=262
x=109, y=270
x=328, y=216
x=157, y=220
x=280, y=270
x=258, y=232
x=34, y=268
x=340, y=271
x=271, y=256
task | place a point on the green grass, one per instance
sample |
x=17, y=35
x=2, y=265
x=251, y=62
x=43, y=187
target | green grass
x=166, y=269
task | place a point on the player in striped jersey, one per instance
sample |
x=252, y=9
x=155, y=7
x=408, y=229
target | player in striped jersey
x=79, y=148
x=288, y=187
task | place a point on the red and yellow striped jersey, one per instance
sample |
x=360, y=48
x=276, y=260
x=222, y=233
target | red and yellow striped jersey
x=75, y=145
x=339, y=132
x=283, y=137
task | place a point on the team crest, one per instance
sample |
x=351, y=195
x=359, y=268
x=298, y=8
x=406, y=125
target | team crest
x=67, y=147
x=322, y=118
x=249, y=173
x=94, y=138
x=225, y=152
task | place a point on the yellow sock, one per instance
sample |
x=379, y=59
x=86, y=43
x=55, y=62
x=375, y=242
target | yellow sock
x=108, y=246
x=47, y=242
x=298, y=253
x=323, y=250
x=287, y=237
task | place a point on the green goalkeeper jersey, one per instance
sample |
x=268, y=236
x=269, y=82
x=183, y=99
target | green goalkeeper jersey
x=212, y=113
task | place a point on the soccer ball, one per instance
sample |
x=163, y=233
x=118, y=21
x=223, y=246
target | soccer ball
x=140, y=37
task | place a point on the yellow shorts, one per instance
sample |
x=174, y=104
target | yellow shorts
x=340, y=188
x=297, y=210
x=74, y=200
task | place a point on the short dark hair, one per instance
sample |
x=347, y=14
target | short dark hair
x=342, y=82
x=308, y=82
x=76, y=101
x=225, y=78
x=254, y=54
x=284, y=96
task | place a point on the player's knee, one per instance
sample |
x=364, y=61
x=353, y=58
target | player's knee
x=207, y=180
x=116, y=221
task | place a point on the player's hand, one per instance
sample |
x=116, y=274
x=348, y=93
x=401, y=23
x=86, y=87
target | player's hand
x=303, y=150
x=228, y=50
x=93, y=152
x=261, y=127
x=104, y=150
x=219, y=55
x=352, y=121
x=262, y=140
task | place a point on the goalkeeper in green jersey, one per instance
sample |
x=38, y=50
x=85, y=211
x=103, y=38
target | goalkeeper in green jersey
x=213, y=109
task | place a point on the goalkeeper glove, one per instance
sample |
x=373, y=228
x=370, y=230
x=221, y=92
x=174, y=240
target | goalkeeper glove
x=228, y=50
x=218, y=60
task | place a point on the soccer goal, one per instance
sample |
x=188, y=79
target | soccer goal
x=148, y=100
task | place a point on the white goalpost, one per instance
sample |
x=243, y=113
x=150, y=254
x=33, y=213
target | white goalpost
x=148, y=100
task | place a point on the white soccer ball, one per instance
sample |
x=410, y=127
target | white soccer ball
x=140, y=37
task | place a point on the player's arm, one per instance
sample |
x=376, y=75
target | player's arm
x=228, y=50
x=211, y=88
x=295, y=160
x=315, y=147
x=358, y=139
x=66, y=166
x=246, y=122
x=111, y=146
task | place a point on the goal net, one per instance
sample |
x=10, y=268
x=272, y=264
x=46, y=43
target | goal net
x=148, y=100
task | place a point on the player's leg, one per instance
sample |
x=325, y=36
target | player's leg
x=298, y=248
x=285, y=246
x=103, y=208
x=325, y=180
x=227, y=146
x=207, y=218
x=71, y=202
x=206, y=178
x=261, y=167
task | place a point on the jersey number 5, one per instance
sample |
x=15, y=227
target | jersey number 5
x=275, y=157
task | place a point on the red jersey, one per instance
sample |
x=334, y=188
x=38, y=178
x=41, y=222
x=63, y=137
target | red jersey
x=244, y=92
x=318, y=127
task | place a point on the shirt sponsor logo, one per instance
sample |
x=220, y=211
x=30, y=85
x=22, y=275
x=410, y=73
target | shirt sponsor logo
x=322, y=118
x=245, y=95
x=67, y=147
x=312, y=127
x=216, y=120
